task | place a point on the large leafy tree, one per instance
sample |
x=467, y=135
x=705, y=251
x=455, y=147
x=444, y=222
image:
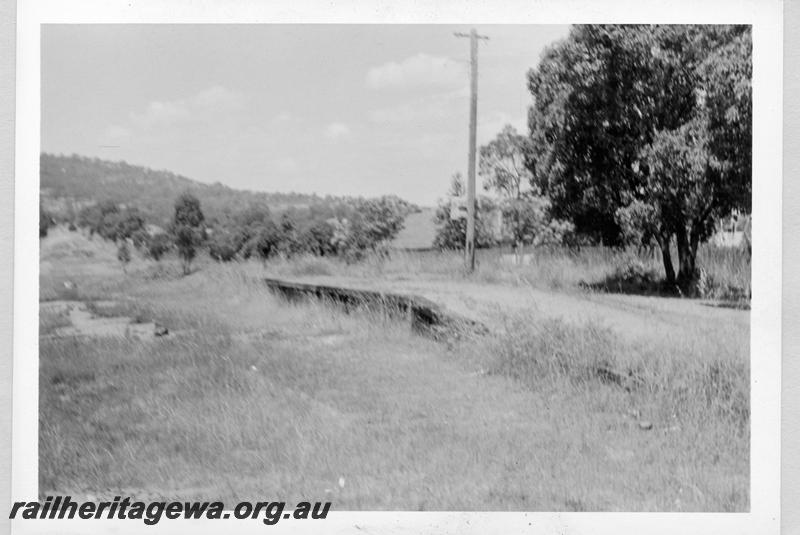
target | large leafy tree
x=645, y=125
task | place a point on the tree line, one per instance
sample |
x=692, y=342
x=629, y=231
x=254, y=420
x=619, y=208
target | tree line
x=349, y=230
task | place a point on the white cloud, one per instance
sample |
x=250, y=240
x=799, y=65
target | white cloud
x=337, y=131
x=428, y=108
x=421, y=70
x=210, y=101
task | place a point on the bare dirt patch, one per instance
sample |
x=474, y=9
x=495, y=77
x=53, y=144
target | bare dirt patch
x=83, y=322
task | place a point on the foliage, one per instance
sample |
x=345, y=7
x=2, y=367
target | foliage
x=637, y=222
x=287, y=238
x=188, y=229
x=187, y=211
x=223, y=245
x=266, y=240
x=615, y=105
x=369, y=227
x=251, y=232
x=240, y=222
x=111, y=221
x=527, y=221
x=350, y=229
x=158, y=245
x=186, y=240
x=317, y=239
x=451, y=233
x=379, y=220
x=124, y=253
x=525, y=213
x=45, y=221
x=502, y=165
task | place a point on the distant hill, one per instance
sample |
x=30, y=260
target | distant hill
x=68, y=183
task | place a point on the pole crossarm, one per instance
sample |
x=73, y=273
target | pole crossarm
x=467, y=35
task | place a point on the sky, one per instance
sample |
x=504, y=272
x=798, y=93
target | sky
x=329, y=109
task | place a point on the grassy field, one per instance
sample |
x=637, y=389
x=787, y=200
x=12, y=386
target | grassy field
x=250, y=396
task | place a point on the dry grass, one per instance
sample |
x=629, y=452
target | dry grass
x=725, y=271
x=254, y=397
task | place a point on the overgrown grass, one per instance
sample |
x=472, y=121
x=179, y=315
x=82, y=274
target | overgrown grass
x=704, y=400
x=251, y=396
x=700, y=391
x=51, y=320
x=724, y=272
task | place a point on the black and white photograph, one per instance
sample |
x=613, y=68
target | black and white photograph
x=401, y=267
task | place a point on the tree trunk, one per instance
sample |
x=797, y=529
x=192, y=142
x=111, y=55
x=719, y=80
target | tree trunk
x=687, y=252
x=666, y=257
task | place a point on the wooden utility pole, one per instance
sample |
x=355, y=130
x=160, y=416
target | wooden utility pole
x=469, y=246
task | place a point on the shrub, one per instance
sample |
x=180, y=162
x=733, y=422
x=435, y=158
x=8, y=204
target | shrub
x=187, y=240
x=158, y=245
x=451, y=234
x=369, y=227
x=124, y=254
x=223, y=245
x=46, y=221
x=187, y=228
x=265, y=241
x=633, y=274
x=318, y=239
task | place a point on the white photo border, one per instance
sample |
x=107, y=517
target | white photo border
x=766, y=20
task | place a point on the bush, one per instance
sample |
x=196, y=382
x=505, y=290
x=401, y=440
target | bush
x=124, y=254
x=187, y=239
x=265, y=241
x=634, y=272
x=224, y=245
x=158, y=245
x=188, y=228
x=112, y=222
x=46, y=221
x=371, y=225
x=637, y=223
x=318, y=239
x=451, y=234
